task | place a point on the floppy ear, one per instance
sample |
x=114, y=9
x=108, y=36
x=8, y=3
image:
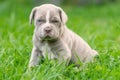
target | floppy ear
x=32, y=15
x=63, y=15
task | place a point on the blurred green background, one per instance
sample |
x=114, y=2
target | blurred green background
x=96, y=21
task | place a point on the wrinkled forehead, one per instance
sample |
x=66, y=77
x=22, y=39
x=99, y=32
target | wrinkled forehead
x=43, y=12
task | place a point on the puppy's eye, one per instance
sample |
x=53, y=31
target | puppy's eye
x=54, y=21
x=40, y=20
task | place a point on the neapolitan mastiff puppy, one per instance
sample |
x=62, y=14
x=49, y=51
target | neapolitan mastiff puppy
x=52, y=37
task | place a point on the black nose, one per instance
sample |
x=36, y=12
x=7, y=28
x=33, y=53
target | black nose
x=47, y=30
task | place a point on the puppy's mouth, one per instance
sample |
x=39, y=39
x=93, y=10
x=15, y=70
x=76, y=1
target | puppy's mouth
x=47, y=37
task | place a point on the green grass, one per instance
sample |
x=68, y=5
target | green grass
x=98, y=25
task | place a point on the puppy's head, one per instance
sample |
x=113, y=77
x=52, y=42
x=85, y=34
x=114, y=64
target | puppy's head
x=49, y=21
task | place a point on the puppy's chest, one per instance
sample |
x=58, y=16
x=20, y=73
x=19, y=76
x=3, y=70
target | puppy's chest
x=47, y=52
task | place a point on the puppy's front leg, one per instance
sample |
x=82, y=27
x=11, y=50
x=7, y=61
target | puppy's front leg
x=64, y=57
x=35, y=56
x=64, y=54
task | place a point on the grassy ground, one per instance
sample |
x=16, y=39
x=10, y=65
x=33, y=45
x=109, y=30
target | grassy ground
x=98, y=25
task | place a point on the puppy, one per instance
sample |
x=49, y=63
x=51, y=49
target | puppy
x=54, y=40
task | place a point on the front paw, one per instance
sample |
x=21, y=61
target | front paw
x=32, y=64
